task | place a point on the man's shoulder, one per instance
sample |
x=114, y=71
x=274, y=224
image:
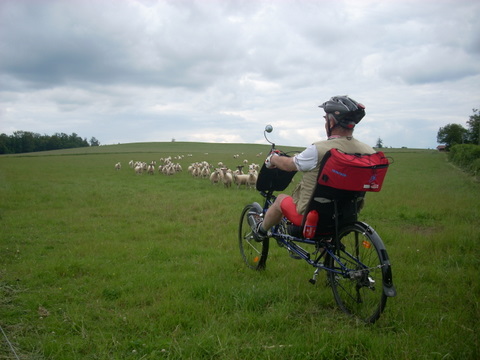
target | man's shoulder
x=350, y=144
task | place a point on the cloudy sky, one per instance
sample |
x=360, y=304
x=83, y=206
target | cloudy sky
x=219, y=70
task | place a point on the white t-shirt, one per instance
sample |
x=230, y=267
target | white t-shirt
x=307, y=160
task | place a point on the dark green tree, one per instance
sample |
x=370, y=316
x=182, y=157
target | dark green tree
x=452, y=134
x=26, y=141
x=94, y=142
x=5, y=147
x=379, y=143
x=474, y=127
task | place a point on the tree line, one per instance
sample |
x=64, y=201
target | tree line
x=454, y=134
x=25, y=142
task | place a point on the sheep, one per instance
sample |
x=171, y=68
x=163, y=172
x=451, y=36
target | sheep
x=254, y=167
x=139, y=169
x=240, y=179
x=239, y=170
x=252, y=179
x=216, y=176
x=196, y=171
x=205, y=173
x=151, y=169
x=169, y=169
x=227, y=177
x=118, y=166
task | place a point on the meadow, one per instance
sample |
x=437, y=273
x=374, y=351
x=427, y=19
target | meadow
x=104, y=264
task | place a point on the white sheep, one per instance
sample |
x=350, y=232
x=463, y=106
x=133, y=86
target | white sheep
x=169, y=169
x=205, y=173
x=118, y=166
x=240, y=179
x=252, y=179
x=151, y=169
x=216, y=176
x=227, y=177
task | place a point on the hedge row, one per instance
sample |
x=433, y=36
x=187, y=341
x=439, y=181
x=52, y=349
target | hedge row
x=467, y=156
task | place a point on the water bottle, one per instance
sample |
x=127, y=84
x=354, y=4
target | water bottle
x=310, y=224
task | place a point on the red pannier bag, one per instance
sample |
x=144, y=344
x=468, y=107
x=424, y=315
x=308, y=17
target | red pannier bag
x=353, y=172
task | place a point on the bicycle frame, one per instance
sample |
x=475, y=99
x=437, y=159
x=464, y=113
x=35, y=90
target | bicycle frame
x=326, y=246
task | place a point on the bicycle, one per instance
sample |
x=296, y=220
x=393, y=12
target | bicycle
x=350, y=252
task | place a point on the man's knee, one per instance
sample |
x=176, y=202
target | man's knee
x=278, y=201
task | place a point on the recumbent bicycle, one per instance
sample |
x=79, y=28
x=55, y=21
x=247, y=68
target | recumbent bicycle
x=350, y=252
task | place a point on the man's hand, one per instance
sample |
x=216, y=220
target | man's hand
x=268, y=160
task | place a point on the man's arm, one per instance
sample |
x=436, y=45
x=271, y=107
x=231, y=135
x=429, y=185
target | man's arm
x=283, y=163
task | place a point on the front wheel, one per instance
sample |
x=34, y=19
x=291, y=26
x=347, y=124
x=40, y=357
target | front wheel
x=254, y=253
x=360, y=265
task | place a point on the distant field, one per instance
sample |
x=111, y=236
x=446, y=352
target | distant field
x=104, y=264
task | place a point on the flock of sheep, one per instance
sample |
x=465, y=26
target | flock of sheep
x=219, y=174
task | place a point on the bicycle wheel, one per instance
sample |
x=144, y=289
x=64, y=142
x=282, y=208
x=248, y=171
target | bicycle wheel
x=358, y=283
x=254, y=253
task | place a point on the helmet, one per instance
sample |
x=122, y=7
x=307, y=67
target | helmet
x=346, y=111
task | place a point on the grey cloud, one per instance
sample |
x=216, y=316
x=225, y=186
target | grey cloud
x=226, y=68
x=63, y=45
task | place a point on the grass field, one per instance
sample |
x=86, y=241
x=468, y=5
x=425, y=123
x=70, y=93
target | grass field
x=104, y=264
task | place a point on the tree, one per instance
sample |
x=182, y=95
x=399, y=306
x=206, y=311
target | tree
x=5, y=144
x=379, y=143
x=452, y=134
x=474, y=127
x=94, y=142
x=26, y=141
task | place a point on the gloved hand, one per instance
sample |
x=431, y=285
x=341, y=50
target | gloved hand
x=268, y=160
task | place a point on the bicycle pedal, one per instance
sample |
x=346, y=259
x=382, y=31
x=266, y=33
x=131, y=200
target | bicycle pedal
x=312, y=281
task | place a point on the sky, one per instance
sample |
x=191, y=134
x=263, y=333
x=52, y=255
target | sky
x=126, y=71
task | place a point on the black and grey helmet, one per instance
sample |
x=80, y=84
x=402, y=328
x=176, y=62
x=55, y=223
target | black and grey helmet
x=346, y=111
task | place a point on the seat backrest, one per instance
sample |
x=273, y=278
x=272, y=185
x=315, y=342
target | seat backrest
x=335, y=207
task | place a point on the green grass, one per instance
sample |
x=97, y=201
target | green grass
x=104, y=264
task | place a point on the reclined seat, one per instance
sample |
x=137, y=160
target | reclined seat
x=342, y=182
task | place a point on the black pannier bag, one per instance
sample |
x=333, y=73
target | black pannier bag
x=274, y=179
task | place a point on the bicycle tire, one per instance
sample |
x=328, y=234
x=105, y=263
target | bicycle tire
x=359, y=289
x=254, y=253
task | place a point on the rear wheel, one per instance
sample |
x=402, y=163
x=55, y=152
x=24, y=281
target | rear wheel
x=254, y=253
x=358, y=285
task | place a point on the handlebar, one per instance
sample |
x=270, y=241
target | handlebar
x=269, y=129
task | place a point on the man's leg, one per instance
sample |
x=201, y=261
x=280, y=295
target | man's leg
x=274, y=213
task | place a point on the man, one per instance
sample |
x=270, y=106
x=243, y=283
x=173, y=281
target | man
x=341, y=115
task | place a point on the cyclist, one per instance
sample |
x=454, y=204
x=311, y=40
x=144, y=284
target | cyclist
x=342, y=113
